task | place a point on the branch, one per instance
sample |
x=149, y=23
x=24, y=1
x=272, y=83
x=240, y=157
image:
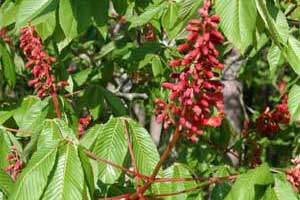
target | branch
x=159, y=164
x=131, y=96
x=56, y=105
x=211, y=181
x=17, y=130
x=133, y=160
x=291, y=10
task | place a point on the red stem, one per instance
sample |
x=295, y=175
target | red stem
x=159, y=164
x=56, y=104
x=133, y=160
x=123, y=196
x=17, y=130
x=212, y=180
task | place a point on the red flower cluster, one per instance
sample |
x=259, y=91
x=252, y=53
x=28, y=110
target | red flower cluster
x=15, y=164
x=40, y=62
x=293, y=174
x=149, y=35
x=195, y=90
x=268, y=122
x=83, y=124
x=4, y=36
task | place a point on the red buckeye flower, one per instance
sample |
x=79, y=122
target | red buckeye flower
x=40, y=63
x=195, y=90
x=293, y=174
x=15, y=164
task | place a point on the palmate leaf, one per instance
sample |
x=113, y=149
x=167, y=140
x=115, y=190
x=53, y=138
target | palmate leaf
x=238, y=20
x=283, y=189
x=33, y=179
x=293, y=54
x=90, y=137
x=144, y=149
x=67, y=180
x=6, y=183
x=111, y=145
x=294, y=103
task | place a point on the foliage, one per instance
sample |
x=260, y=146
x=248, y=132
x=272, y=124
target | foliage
x=82, y=80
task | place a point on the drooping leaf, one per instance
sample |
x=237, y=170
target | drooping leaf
x=8, y=13
x=6, y=183
x=111, y=145
x=293, y=54
x=67, y=181
x=115, y=102
x=100, y=17
x=275, y=57
x=245, y=185
x=8, y=65
x=28, y=9
x=294, y=103
x=33, y=179
x=157, y=67
x=144, y=149
x=74, y=17
x=238, y=21
x=170, y=16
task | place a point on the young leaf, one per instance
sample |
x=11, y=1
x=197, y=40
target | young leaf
x=34, y=178
x=115, y=102
x=8, y=65
x=111, y=145
x=67, y=181
x=238, y=20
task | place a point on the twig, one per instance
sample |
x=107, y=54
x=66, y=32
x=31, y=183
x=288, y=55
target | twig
x=291, y=10
x=161, y=180
x=72, y=94
x=56, y=105
x=211, y=181
x=131, y=96
x=133, y=160
x=17, y=130
x=159, y=164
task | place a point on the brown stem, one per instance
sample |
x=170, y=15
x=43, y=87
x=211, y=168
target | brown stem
x=133, y=160
x=161, y=180
x=56, y=105
x=291, y=10
x=159, y=164
x=211, y=181
x=72, y=94
x=18, y=130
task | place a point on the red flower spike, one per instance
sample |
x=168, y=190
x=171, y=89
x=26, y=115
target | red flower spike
x=40, y=63
x=15, y=163
x=195, y=90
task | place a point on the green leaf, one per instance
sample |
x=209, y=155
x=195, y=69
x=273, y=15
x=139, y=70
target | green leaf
x=70, y=88
x=275, y=58
x=144, y=149
x=145, y=17
x=33, y=179
x=8, y=13
x=88, y=171
x=5, y=115
x=29, y=9
x=157, y=67
x=5, y=145
x=293, y=54
x=6, y=183
x=176, y=171
x=238, y=21
x=283, y=189
x=31, y=115
x=294, y=103
x=170, y=16
x=100, y=18
x=245, y=185
x=8, y=65
x=91, y=135
x=111, y=145
x=115, y=102
x=67, y=181
x=74, y=17
x=269, y=194
x=277, y=26
x=50, y=132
